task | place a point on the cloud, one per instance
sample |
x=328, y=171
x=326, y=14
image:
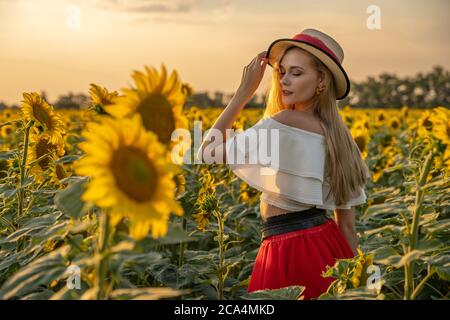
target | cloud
x=139, y=6
x=159, y=6
x=189, y=12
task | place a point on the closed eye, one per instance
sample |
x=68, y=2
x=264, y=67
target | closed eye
x=294, y=74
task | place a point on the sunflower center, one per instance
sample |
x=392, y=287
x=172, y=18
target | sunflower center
x=134, y=173
x=427, y=124
x=60, y=172
x=395, y=124
x=42, y=116
x=157, y=116
x=44, y=147
x=361, y=142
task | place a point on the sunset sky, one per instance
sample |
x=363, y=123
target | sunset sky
x=207, y=41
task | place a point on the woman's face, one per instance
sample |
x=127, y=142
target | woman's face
x=298, y=77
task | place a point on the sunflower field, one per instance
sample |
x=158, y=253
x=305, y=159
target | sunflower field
x=93, y=205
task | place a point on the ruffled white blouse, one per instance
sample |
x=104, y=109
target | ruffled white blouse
x=293, y=180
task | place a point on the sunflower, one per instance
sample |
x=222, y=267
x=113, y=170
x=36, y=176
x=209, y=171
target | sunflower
x=394, y=123
x=207, y=203
x=58, y=172
x=441, y=129
x=357, y=271
x=201, y=220
x=363, y=262
x=362, y=122
x=248, y=194
x=157, y=99
x=377, y=175
x=425, y=124
x=347, y=115
x=186, y=88
x=197, y=115
x=129, y=175
x=101, y=97
x=208, y=183
x=7, y=114
x=42, y=148
x=181, y=184
x=34, y=107
x=404, y=111
x=361, y=137
x=6, y=131
x=380, y=119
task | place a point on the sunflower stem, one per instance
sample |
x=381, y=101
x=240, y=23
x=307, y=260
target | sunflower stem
x=182, y=244
x=22, y=167
x=220, y=240
x=421, y=285
x=42, y=184
x=414, y=231
x=102, y=266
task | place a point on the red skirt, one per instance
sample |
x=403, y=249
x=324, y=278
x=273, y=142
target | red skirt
x=298, y=258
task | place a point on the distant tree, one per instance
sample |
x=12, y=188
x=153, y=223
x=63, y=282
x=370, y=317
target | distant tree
x=72, y=101
x=218, y=98
x=425, y=90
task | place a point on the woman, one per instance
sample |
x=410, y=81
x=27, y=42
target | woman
x=320, y=167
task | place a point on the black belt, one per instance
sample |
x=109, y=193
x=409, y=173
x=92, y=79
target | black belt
x=293, y=221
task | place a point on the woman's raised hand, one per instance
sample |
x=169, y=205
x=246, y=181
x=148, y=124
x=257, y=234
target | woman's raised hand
x=252, y=76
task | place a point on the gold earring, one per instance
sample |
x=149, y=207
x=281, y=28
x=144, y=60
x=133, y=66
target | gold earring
x=319, y=90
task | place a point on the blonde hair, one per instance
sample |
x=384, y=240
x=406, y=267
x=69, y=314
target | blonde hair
x=345, y=170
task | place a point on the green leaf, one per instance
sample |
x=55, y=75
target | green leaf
x=146, y=293
x=392, y=229
x=387, y=208
x=7, y=192
x=174, y=235
x=441, y=264
x=409, y=257
x=361, y=293
x=40, y=272
x=68, y=159
x=172, y=276
x=427, y=245
x=32, y=226
x=386, y=256
x=286, y=293
x=138, y=262
x=69, y=200
x=6, y=155
x=440, y=226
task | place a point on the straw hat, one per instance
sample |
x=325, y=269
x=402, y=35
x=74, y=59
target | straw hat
x=321, y=45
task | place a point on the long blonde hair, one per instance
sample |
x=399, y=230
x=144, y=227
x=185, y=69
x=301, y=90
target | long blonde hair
x=345, y=170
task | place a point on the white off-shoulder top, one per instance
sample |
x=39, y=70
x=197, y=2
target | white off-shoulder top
x=295, y=181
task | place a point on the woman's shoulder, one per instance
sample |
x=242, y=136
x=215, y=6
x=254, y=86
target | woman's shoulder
x=300, y=121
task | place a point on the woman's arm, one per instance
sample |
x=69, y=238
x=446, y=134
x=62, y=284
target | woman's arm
x=226, y=120
x=345, y=219
x=251, y=78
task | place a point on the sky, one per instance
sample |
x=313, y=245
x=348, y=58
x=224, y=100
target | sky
x=59, y=46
